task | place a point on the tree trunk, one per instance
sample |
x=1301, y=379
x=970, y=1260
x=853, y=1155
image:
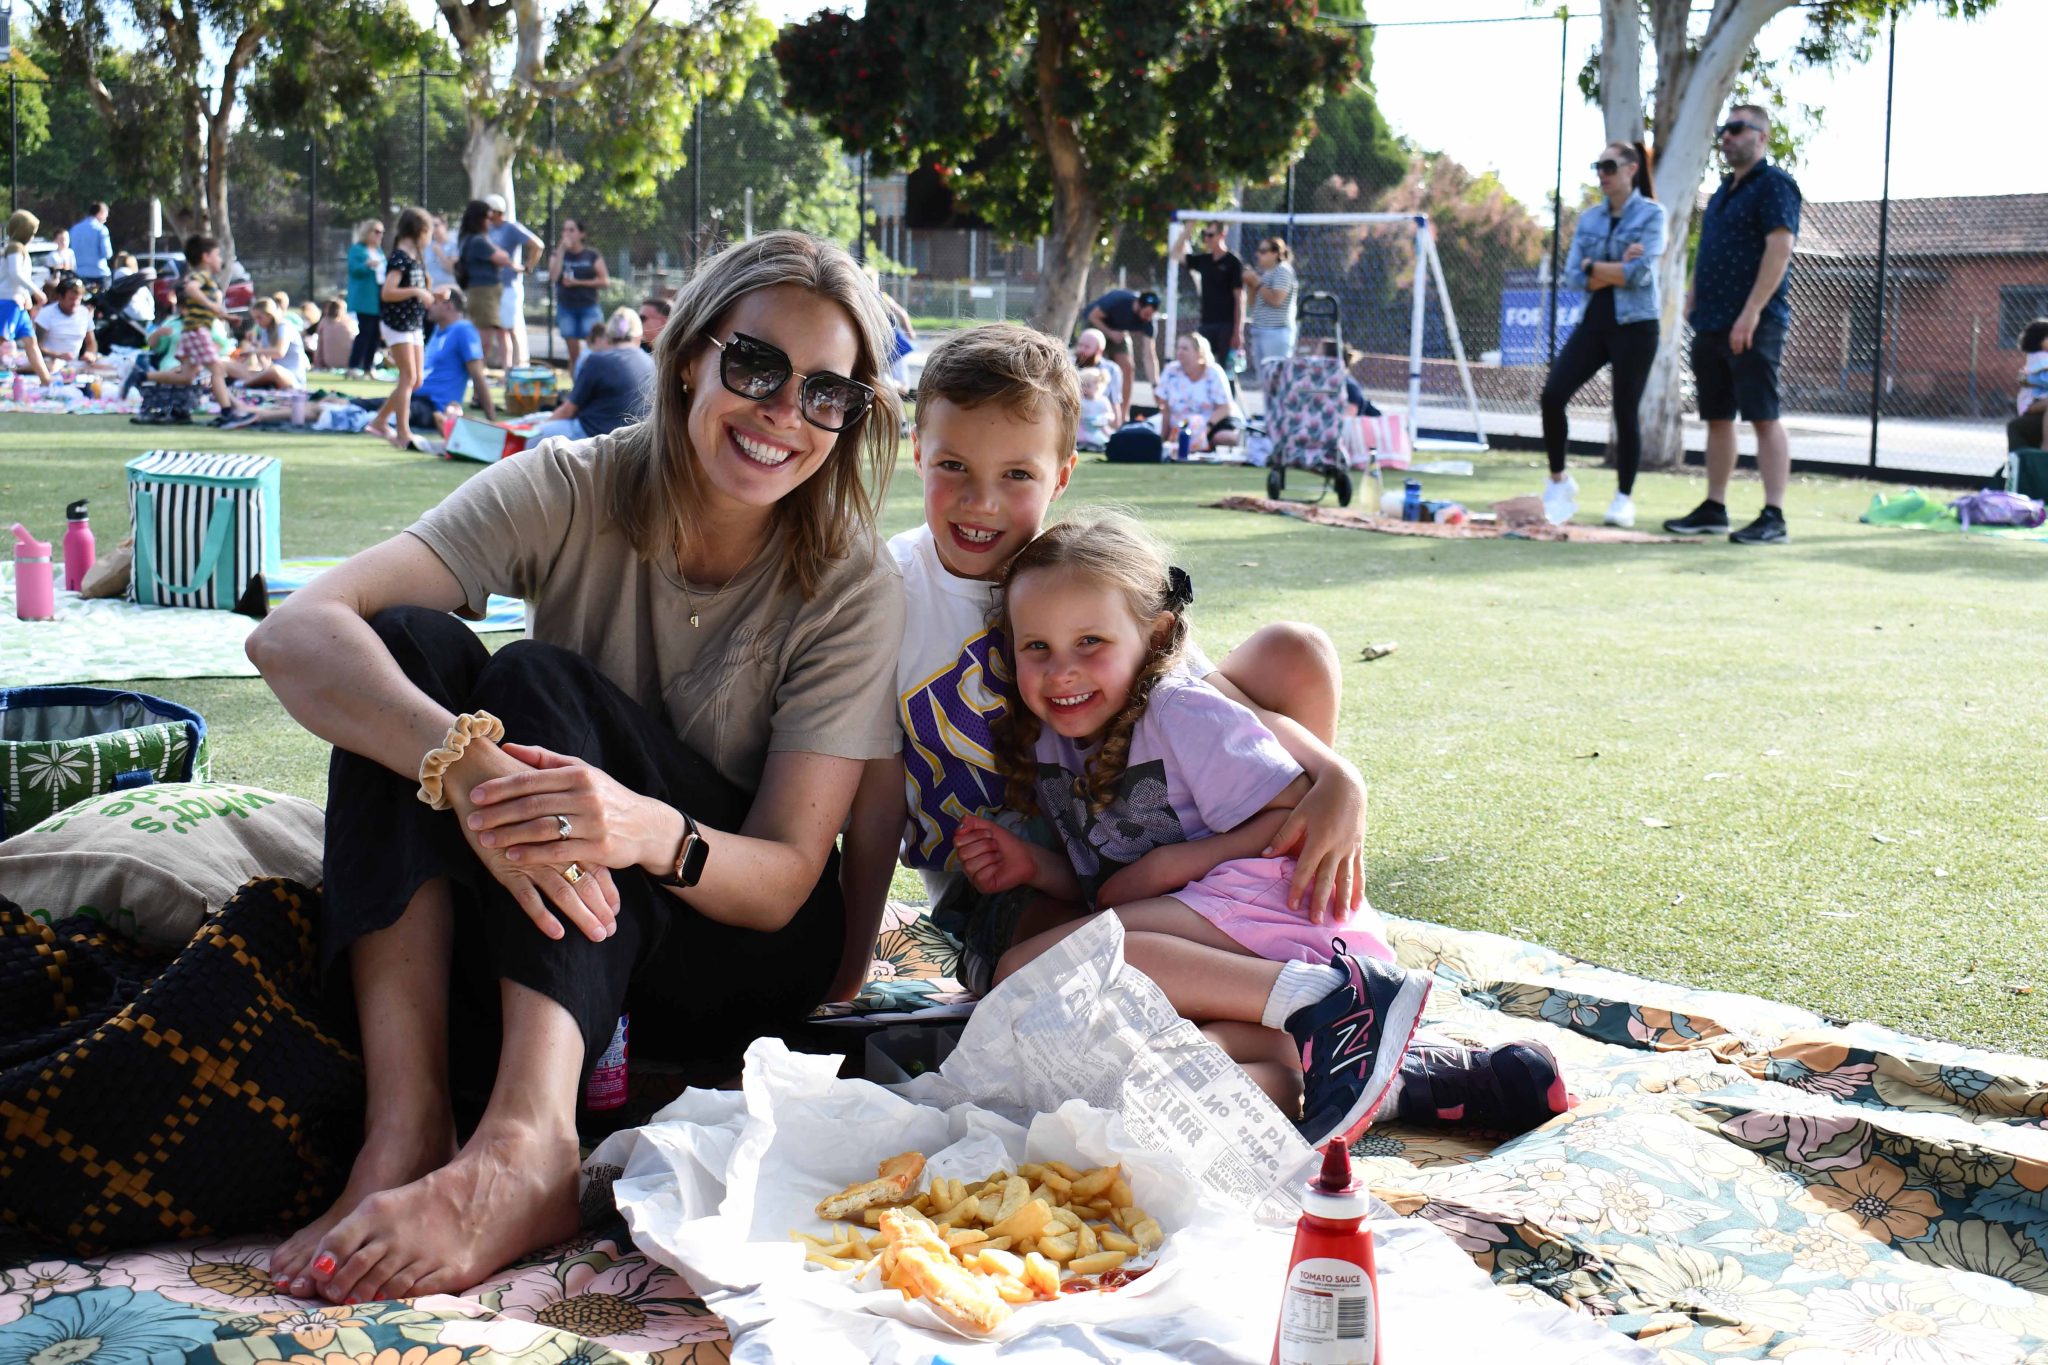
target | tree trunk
x=488, y=157
x=1068, y=254
x=1621, y=69
x=1076, y=212
x=1692, y=85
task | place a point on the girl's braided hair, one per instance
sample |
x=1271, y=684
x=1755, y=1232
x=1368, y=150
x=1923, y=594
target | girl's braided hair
x=1112, y=550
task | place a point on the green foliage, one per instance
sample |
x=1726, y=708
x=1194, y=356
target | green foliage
x=1481, y=230
x=132, y=150
x=975, y=88
x=31, y=93
x=1353, y=153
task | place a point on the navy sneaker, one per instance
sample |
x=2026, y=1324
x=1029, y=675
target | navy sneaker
x=1507, y=1089
x=1708, y=519
x=1351, y=1044
x=1768, y=529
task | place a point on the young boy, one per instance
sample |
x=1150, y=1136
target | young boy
x=1093, y=434
x=201, y=313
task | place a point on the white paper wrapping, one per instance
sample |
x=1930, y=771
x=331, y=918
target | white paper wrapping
x=1077, y=1058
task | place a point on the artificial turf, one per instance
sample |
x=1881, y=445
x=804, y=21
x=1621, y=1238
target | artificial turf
x=1812, y=772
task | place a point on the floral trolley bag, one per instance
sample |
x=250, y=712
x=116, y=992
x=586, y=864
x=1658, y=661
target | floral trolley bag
x=62, y=745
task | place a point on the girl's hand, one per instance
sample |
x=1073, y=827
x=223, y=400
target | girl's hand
x=610, y=825
x=993, y=858
x=541, y=891
x=1325, y=834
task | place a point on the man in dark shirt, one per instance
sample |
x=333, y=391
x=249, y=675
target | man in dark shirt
x=1740, y=309
x=1221, y=275
x=1117, y=314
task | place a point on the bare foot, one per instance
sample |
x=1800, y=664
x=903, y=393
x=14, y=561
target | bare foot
x=381, y=433
x=385, y=1163
x=511, y=1190
x=401, y=440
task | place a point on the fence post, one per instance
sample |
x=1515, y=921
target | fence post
x=312, y=207
x=1884, y=222
x=422, y=201
x=553, y=231
x=696, y=178
x=860, y=213
x=13, y=146
x=1564, y=26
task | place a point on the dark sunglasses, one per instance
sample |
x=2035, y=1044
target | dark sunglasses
x=1736, y=125
x=1607, y=165
x=754, y=369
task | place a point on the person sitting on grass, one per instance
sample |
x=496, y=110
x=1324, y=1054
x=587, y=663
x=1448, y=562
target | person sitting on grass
x=202, y=320
x=634, y=808
x=335, y=335
x=402, y=322
x=64, y=326
x=19, y=349
x=276, y=353
x=612, y=387
x=1193, y=390
x=1097, y=416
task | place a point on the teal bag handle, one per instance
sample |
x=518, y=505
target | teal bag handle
x=220, y=524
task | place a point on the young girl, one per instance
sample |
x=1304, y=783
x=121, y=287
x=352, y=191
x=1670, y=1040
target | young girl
x=1166, y=795
x=405, y=298
x=1093, y=432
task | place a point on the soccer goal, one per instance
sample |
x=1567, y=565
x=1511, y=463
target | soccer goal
x=1384, y=271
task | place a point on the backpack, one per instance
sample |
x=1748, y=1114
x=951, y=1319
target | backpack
x=1996, y=507
x=163, y=404
x=1135, y=443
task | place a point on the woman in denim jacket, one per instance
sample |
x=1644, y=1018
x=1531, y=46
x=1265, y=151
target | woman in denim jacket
x=1615, y=249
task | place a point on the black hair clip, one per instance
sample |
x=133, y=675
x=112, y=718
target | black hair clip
x=1180, y=589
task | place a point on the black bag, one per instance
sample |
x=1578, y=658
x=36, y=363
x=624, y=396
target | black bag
x=163, y=404
x=1135, y=443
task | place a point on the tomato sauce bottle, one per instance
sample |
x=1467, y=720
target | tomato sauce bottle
x=1330, y=1312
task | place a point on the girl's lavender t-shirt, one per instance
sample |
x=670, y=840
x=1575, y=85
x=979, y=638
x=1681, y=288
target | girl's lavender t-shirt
x=1200, y=764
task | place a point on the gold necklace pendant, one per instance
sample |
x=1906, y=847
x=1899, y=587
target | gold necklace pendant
x=693, y=619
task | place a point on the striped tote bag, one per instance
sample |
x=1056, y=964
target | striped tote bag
x=206, y=529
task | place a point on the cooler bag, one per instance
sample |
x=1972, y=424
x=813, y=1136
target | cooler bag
x=529, y=388
x=206, y=529
x=63, y=745
x=485, y=442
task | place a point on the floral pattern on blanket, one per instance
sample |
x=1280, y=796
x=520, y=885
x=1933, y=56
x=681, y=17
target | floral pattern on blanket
x=1741, y=1181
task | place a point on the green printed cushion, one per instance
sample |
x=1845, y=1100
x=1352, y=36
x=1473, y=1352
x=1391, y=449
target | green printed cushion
x=60, y=745
x=154, y=862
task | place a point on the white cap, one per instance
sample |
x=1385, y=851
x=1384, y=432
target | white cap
x=496, y=202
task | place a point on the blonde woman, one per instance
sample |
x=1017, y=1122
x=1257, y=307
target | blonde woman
x=365, y=296
x=17, y=280
x=634, y=808
x=611, y=385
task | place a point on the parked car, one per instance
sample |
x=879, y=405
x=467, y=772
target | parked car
x=170, y=268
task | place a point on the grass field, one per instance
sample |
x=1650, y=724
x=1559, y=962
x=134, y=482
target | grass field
x=1813, y=773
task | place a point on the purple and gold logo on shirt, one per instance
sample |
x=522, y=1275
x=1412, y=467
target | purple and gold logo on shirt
x=949, y=763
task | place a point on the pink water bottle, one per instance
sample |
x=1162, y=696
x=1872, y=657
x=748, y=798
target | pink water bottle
x=78, y=548
x=35, y=593
x=606, y=1088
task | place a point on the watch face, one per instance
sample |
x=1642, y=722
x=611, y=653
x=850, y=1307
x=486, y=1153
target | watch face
x=690, y=866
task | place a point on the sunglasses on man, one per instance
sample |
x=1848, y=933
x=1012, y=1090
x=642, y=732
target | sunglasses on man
x=753, y=369
x=1735, y=127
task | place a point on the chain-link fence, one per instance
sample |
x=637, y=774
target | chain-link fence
x=1904, y=321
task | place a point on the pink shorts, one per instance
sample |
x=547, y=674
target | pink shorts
x=1247, y=899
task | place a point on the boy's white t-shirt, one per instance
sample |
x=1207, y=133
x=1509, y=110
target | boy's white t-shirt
x=952, y=685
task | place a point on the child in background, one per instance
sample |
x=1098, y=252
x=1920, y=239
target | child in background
x=997, y=408
x=1093, y=433
x=203, y=325
x=1167, y=796
x=2034, y=369
x=402, y=322
x=335, y=335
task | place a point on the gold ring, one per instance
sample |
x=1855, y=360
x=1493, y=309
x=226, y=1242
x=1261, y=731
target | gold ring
x=572, y=874
x=561, y=826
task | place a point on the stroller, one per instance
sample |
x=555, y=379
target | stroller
x=1305, y=422
x=123, y=311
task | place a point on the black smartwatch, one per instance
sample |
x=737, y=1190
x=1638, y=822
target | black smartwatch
x=690, y=858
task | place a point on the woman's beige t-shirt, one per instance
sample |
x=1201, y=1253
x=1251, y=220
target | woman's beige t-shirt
x=765, y=672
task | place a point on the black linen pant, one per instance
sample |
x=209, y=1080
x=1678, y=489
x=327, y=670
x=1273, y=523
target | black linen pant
x=1629, y=348
x=699, y=991
x=362, y=352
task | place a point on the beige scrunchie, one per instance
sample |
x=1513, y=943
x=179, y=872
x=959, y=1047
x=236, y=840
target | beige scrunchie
x=467, y=727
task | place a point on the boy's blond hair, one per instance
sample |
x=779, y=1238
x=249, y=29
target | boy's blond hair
x=1027, y=372
x=1092, y=376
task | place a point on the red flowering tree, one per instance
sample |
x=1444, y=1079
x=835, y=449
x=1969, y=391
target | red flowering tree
x=1069, y=118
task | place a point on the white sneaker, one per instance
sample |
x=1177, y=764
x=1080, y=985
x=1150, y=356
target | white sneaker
x=1560, y=500
x=1622, y=512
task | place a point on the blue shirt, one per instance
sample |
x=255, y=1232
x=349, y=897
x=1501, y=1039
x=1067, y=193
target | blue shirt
x=611, y=388
x=445, y=374
x=1601, y=236
x=1120, y=311
x=93, y=245
x=1739, y=217
x=512, y=238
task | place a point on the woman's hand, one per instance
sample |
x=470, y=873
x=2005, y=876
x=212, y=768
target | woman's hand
x=1634, y=252
x=993, y=858
x=1325, y=834
x=542, y=891
x=610, y=825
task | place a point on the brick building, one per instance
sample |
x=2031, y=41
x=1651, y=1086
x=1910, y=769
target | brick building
x=1964, y=275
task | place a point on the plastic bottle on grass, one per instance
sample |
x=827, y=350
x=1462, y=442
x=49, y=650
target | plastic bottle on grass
x=1183, y=443
x=1411, y=500
x=1330, y=1311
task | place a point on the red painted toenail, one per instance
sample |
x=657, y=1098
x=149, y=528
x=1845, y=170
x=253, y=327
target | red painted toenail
x=323, y=1265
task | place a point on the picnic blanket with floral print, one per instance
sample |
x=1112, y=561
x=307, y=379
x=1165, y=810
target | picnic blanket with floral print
x=1741, y=1181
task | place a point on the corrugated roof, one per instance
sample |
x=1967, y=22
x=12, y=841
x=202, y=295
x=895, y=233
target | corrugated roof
x=1974, y=225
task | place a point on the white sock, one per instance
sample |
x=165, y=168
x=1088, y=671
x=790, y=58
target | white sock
x=1300, y=983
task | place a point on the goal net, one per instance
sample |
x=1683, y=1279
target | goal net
x=1393, y=307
